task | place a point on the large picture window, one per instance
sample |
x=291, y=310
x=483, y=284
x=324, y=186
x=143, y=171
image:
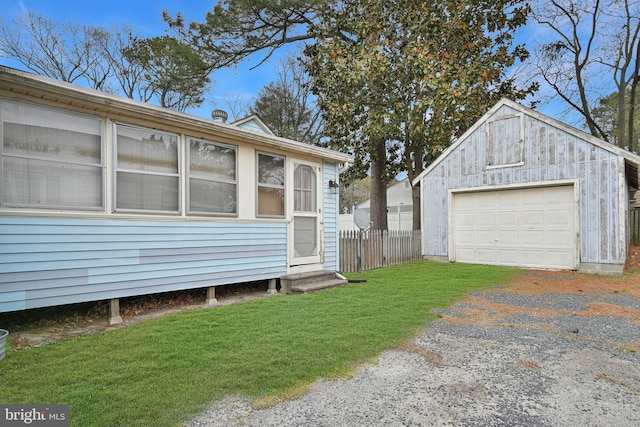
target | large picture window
x=212, y=178
x=50, y=158
x=271, y=188
x=147, y=170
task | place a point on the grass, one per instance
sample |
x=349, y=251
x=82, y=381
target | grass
x=167, y=370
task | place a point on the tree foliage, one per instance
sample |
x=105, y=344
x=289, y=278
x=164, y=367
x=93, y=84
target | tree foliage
x=408, y=78
x=160, y=69
x=172, y=71
x=606, y=115
x=396, y=81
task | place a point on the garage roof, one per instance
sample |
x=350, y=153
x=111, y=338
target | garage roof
x=632, y=161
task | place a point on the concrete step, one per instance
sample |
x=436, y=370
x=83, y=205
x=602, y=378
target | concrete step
x=310, y=282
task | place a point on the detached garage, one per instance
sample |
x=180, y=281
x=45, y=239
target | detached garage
x=523, y=189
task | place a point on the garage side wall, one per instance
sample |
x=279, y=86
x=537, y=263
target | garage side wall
x=549, y=154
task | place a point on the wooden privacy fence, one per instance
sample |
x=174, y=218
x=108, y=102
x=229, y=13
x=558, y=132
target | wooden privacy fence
x=380, y=248
x=634, y=226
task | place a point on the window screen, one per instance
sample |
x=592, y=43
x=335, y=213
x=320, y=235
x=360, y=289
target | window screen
x=304, y=189
x=270, y=185
x=212, y=178
x=147, y=170
x=50, y=158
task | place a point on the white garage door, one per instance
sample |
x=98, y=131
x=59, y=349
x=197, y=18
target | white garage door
x=532, y=227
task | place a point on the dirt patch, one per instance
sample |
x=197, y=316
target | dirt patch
x=33, y=328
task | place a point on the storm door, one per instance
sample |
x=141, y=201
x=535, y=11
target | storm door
x=306, y=245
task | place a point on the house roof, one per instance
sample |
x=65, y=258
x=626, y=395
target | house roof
x=632, y=160
x=255, y=121
x=53, y=91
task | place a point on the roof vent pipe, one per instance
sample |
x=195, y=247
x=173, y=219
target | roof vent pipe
x=219, y=116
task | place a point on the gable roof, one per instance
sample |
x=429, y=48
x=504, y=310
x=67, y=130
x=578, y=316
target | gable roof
x=253, y=123
x=55, y=92
x=633, y=160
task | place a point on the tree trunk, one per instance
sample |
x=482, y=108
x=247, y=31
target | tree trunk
x=632, y=102
x=417, y=212
x=378, y=215
x=622, y=139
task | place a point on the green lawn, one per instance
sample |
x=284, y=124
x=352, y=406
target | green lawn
x=165, y=371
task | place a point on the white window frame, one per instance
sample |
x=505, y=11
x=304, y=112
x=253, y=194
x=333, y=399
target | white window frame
x=116, y=169
x=100, y=165
x=259, y=184
x=189, y=140
x=491, y=142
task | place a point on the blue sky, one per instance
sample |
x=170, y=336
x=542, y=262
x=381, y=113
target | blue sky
x=145, y=16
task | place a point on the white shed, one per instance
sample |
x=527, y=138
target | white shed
x=522, y=189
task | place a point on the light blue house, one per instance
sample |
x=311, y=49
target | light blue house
x=102, y=197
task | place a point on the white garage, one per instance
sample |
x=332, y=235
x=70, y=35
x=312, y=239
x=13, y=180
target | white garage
x=527, y=227
x=520, y=188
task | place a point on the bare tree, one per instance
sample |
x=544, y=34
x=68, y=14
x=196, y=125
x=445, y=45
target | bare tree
x=591, y=51
x=60, y=51
x=287, y=105
x=237, y=104
x=160, y=69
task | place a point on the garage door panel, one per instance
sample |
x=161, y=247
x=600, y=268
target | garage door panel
x=532, y=257
x=464, y=219
x=534, y=218
x=484, y=219
x=466, y=239
x=486, y=256
x=529, y=227
x=560, y=218
x=466, y=253
x=532, y=238
x=508, y=237
x=558, y=238
x=507, y=218
x=508, y=256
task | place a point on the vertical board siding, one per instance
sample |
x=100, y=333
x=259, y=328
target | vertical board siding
x=550, y=154
x=46, y=261
x=330, y=217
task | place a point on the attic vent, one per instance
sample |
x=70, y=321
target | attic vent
x=219, y=116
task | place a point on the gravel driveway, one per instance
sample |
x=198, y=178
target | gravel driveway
x=555, y=349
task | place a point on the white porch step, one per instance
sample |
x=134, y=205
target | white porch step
x=310, y=281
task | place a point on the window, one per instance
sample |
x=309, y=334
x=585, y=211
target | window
x=147, y=170
x=304, y=189
x=504, y=141
x=212, y=178
x=50, y=158
x=270, y=185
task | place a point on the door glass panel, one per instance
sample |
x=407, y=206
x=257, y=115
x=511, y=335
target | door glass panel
x=304, y=185
x=305, y=232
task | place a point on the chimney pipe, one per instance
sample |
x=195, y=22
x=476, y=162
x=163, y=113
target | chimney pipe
x=219, y=116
